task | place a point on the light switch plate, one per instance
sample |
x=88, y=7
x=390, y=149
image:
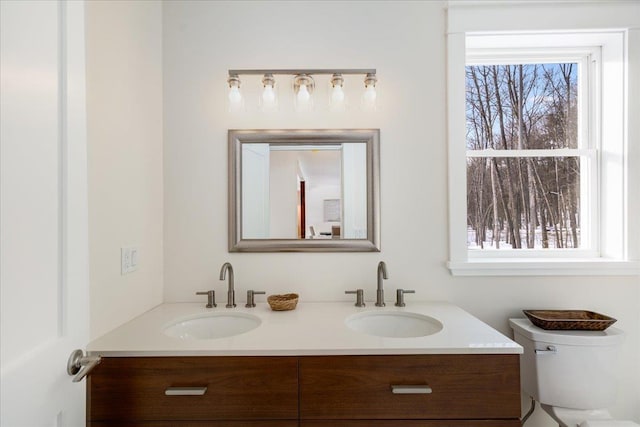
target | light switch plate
x=129, y=257
x=134, y=259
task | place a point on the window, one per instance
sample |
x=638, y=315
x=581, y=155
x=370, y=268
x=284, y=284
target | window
x=531, y=153
x=542, y=147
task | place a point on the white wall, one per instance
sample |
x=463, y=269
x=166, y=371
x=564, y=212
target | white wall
x=124, y=106
x=405, y=41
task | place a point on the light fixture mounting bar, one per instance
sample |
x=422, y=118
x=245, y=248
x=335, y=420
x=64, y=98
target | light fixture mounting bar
x=303, y=71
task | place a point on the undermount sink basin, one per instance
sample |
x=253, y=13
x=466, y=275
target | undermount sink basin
x=393, y=324
x=211, y=326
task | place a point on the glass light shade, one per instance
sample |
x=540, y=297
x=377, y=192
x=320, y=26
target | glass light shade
x=235, y=99
x=269, y=98
x=369, y=98
x=303, y=99
x=337, y=101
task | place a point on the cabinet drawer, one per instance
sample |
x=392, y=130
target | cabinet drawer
x=413, y=423
x=261, y=423
x=359, y=387
x=238, y=388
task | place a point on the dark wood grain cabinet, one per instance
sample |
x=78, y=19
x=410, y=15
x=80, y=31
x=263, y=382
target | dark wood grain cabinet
x=411, y=423
x=307, y=391
x=453, y=387
x=239, y=389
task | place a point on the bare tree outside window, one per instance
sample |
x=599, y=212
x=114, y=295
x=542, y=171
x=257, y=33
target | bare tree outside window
x=522, y=190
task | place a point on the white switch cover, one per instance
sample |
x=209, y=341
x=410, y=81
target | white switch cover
x=128, y=260
x=134, y=260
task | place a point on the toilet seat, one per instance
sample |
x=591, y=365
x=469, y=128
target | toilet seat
x=609, y=423
x=568, y=417
x=575, y=417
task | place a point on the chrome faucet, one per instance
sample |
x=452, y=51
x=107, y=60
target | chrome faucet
x=382, y=274
x=231, y=293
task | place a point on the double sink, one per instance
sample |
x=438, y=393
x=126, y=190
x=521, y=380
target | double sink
x=379, y=323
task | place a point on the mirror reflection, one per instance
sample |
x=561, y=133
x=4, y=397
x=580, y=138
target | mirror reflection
x=304, y=190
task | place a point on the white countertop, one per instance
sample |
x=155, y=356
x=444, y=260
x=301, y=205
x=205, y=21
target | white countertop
x=310, y=329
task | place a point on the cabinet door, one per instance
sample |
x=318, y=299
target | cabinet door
x=237, y=388
x=360, y=387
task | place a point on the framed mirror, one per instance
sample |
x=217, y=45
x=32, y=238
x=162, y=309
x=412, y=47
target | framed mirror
x=304, y=190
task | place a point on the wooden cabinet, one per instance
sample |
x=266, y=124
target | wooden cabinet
x=322, y=391
x=132, y=389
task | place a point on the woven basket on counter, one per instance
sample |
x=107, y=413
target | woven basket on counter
x=283, y=302
x=577, y=320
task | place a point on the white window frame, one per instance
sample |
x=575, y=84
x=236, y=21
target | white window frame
x=587, y=60
x=610, y=250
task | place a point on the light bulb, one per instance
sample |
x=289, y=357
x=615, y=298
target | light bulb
x=337, y=98
x=303, y=86
x=303, y=94
x=369, y=98
x=337, y=102
x=236, y=103
x=235, y=99
x=303, y=98
x=337, y=95
x=268, y=97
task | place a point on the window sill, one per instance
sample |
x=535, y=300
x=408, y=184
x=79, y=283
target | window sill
x=544, y=267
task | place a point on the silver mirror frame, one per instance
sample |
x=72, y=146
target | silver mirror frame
x=304, y=137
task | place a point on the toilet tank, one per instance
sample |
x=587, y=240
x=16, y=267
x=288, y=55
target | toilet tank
x=571, y=369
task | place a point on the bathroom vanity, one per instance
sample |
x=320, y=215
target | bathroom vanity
x=305, y=368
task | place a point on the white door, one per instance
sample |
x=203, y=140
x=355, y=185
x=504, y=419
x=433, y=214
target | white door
x=255, y=191
x=44, y=248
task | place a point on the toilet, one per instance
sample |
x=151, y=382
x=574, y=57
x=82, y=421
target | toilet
x=570, y=373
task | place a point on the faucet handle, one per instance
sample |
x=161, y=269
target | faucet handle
x=400, y=296
x=250, y=297
x=211, y=298
x=359, y=297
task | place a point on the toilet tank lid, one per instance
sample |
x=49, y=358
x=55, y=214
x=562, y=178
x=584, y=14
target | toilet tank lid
x=610, y=336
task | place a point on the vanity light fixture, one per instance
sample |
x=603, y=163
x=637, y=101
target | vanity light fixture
x=303, y=88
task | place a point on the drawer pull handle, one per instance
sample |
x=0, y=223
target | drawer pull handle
x=411, y=389
x=185, y=391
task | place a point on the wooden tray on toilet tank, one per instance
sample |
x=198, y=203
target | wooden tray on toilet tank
x=575, y=320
